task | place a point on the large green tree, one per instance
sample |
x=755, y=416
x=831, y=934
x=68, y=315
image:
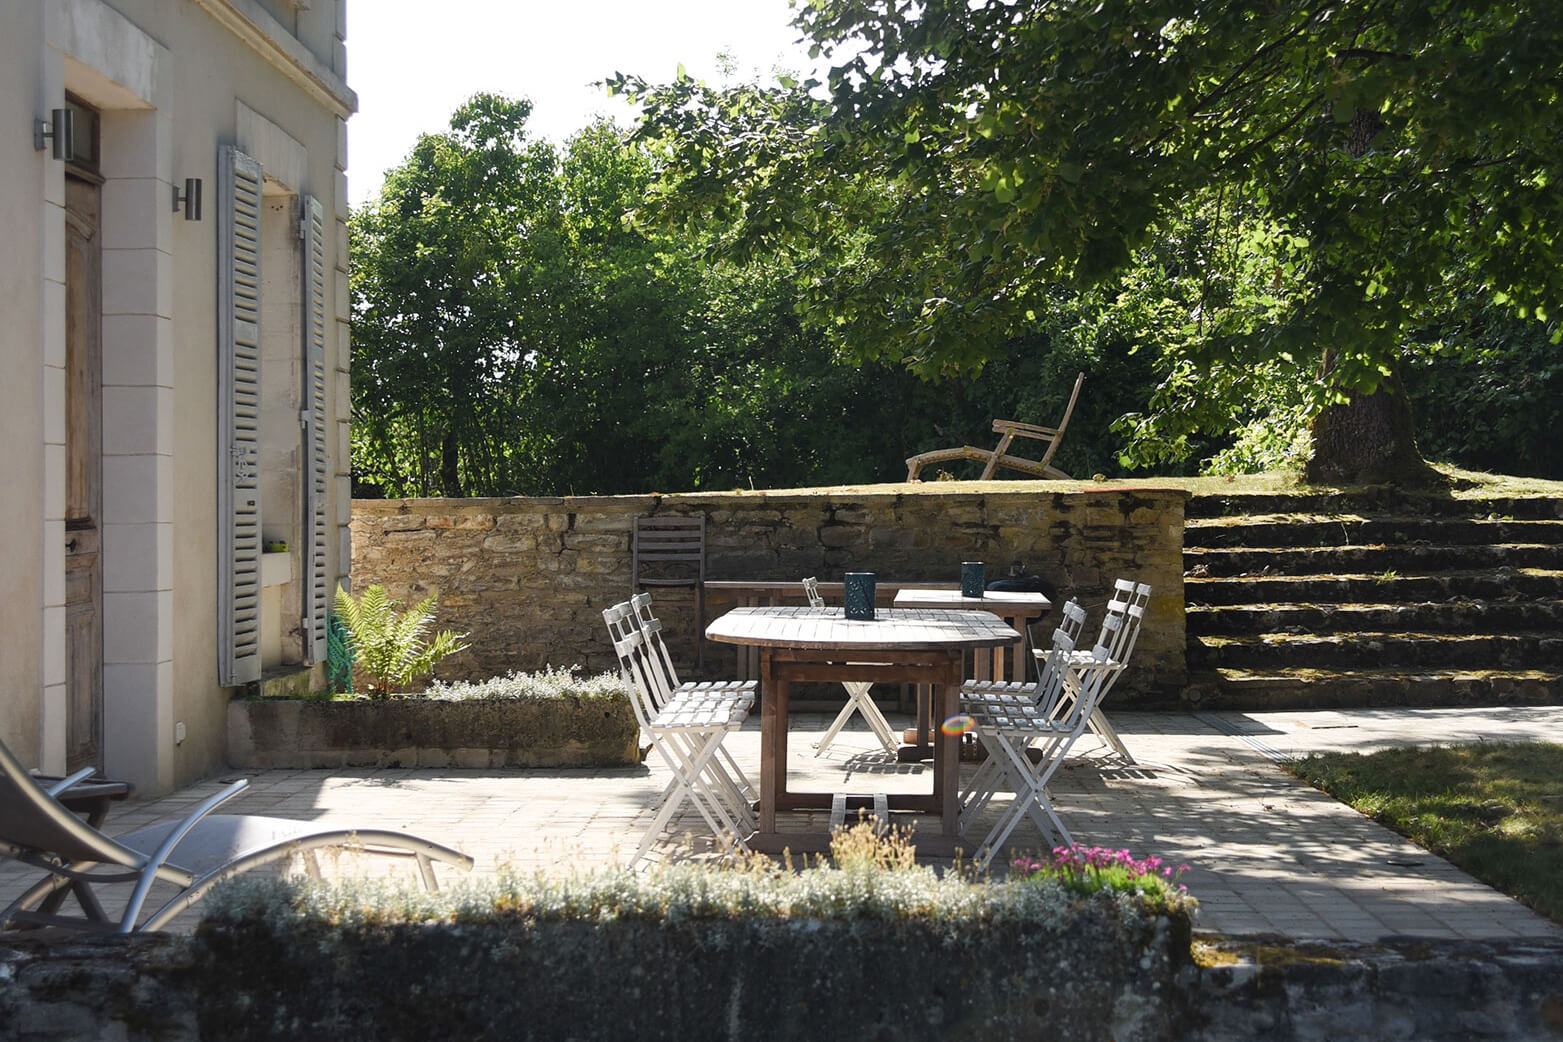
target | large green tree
x=969, y=162
x=514, y=334
x=455, y=271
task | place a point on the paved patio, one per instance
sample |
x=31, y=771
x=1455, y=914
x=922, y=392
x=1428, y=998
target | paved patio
x=1267, y=854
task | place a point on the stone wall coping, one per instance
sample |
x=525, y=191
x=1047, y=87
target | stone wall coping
x=874, y=493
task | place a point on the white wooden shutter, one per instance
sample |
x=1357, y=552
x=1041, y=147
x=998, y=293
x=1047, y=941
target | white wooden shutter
x=317, y=475
x=238, y=418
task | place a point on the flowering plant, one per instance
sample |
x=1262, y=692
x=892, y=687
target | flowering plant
x=1088, y=870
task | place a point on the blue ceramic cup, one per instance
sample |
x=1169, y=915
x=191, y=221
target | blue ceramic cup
x=859, y=594
x=971, y=579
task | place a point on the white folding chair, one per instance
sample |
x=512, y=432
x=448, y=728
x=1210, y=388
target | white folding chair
x=665, y=685
x=1120, y=631
x=1003, y=697
x=858, y=700
x=981, y=694
x=1027, y=745
x=687, y=732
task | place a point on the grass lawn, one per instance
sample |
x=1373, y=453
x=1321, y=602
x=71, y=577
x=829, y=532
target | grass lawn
x=1493, y=809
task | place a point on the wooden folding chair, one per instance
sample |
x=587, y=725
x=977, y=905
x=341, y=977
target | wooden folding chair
x=670, y=552
x=998, y=456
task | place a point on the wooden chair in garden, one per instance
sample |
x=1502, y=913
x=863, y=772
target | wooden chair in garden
x=998, y=456
x=670, y=552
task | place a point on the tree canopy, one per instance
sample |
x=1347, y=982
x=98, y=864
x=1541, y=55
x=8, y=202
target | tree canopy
x=513, y=334
x=1356, y=170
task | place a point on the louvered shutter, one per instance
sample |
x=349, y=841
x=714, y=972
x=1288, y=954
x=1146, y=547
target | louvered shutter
x=317, y=474
x=238, y=419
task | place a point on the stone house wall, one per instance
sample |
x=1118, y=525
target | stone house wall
x=529, y=577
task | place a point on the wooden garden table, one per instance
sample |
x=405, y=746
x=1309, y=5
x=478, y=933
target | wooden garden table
x=901, y=645
x=748, y=593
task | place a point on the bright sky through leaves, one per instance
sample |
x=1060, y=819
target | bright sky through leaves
x=412, y=63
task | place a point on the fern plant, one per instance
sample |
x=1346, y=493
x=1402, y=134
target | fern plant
x=393, y=647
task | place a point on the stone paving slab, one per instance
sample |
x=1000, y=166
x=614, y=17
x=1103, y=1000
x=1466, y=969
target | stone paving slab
x=1266, y=853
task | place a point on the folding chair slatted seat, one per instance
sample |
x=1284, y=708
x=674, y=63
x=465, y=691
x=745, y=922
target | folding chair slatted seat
x=979, y=695
x=858, y=698
x=193, y=854
x=686, y=725
x=665, y=675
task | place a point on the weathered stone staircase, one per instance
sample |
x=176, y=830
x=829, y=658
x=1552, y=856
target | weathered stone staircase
x=1373, y=599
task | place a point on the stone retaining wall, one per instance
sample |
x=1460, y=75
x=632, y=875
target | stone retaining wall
x=528, y=578
x=1091, y=979
x=474, y=733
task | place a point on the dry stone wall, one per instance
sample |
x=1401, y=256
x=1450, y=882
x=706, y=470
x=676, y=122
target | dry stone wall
x=529, y=577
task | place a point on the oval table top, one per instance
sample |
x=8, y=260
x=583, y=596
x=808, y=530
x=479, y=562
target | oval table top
x=892, y=629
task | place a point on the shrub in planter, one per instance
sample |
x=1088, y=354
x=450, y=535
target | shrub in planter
x=872, y=946
x=554, y=718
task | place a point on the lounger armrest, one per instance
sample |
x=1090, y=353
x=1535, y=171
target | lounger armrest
x=1025, y=430
x=80, y=776
x=160, y=856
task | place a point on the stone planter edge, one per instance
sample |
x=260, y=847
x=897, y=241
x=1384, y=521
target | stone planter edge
x=287, y=733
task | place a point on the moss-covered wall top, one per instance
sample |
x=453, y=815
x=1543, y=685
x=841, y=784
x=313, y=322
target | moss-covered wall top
x=529, y=577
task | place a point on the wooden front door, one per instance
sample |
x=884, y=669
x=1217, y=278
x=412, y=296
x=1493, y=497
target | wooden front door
x=83, y=474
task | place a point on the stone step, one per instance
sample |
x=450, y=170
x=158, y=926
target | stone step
x=1377, y=502
x=1328, y=689
x=1344, y=529
x=1458, y=616
x=1321, y=560
x=1495, y=584
x=1376, y=650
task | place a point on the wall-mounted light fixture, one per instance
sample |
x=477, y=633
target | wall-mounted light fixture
x=61, y=127
x=189, y=199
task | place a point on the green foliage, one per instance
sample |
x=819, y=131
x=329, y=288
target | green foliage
x=392, y=646
x=1488, y=393
x=1092, y=870
x=547, y=685
x=568, y=350
x=1330, y=179
x=886, y=890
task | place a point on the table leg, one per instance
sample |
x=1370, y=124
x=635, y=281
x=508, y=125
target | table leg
x=982, y=664
x=773, y=720
x=917, y=738
x=947, y=752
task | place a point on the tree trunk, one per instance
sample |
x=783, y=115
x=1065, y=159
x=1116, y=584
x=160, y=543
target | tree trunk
x=450, y=475
x=1369, y=440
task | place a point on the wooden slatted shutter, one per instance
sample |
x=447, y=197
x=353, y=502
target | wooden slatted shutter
x=238, y=418
x=317, y=469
